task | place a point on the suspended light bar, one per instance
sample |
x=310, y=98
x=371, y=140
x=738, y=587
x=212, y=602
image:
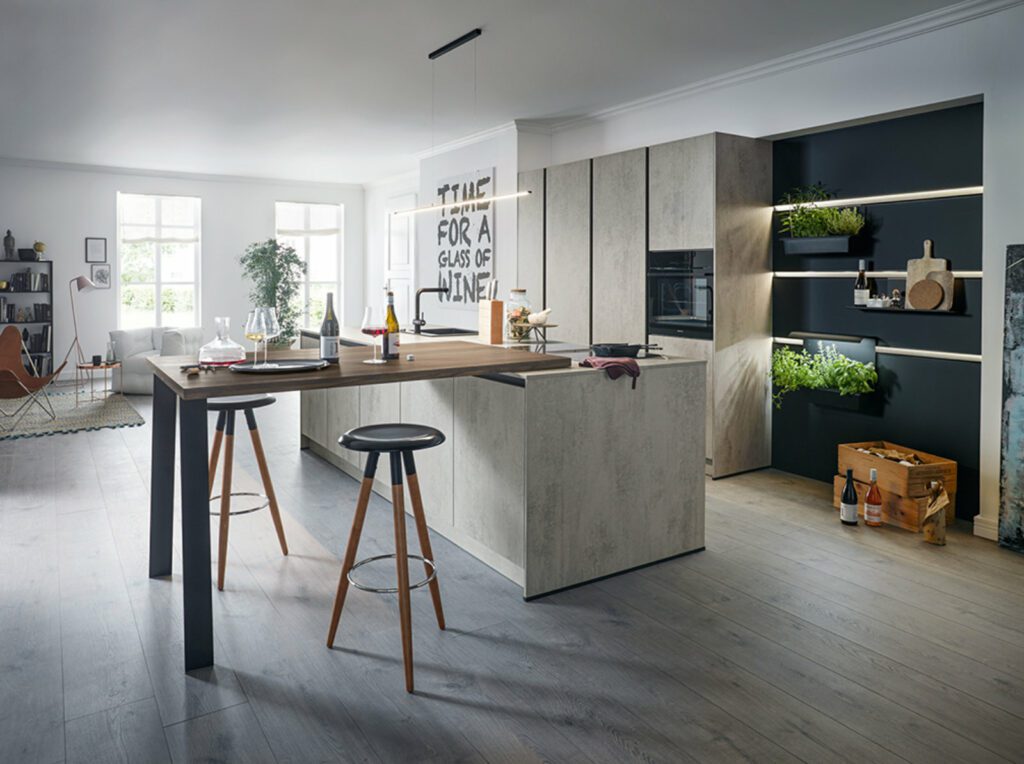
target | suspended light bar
x=912, y=196
x=458, y=42
x=462, y=203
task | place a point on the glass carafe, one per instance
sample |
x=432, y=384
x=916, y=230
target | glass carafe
x=221, y=350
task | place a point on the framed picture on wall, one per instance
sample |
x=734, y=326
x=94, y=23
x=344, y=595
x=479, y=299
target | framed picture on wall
x=95, y=249
x=100, y=276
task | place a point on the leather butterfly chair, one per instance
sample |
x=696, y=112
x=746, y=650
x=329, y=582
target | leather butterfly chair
x=16, y=383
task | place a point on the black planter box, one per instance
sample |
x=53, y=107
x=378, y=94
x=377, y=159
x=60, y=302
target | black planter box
x=817, y=245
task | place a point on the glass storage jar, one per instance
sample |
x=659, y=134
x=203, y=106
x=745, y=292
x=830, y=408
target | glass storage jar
x=517, y=311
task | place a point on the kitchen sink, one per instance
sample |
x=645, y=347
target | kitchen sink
x=446, y=331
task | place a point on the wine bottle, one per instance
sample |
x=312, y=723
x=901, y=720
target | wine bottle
x=861, y=289
x=391, y=340
x=873, y=503
x=329, y=331
x=848, y=501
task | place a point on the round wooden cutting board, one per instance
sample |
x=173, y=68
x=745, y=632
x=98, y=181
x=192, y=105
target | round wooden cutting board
x=926, y=295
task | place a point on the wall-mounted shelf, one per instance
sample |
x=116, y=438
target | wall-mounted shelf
x=869, y=274
x=942, y=355
x=866, y=309
x=910, y=196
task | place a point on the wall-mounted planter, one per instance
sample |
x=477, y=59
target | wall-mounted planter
x=817, y=245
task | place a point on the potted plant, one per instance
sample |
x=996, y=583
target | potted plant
x=827, y=370
x=276, y=272
x=816, y=230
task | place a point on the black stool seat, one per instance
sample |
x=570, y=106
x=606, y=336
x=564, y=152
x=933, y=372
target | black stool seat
x=391, y=437
x=240, y=402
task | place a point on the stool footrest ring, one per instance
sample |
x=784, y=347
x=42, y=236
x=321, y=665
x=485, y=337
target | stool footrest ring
x=264, y=505
x=390, y=589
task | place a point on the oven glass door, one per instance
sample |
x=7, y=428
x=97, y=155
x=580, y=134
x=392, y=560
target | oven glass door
x=680, y=304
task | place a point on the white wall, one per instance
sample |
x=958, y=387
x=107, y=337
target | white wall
x=61, y=206
x=377, y=200
x=501, y=151
x=977, y=57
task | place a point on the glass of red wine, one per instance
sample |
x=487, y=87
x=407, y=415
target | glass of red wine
x=374, y=326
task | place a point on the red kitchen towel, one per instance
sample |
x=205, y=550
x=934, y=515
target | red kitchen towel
x=614, y=367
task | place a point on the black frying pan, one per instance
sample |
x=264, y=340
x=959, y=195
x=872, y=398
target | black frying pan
x=621, y=349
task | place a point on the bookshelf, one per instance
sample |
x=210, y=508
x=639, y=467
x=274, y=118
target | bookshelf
x=27, y=304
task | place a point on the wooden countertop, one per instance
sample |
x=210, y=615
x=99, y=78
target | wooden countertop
x=434, y=360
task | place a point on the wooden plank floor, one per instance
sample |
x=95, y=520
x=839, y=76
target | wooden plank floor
x=791, y=638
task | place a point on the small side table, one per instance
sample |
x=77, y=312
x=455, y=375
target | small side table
x=89, y=369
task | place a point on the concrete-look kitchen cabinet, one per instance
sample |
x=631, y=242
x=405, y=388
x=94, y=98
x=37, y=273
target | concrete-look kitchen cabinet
x=530, y=243
x=619, y=247
x=681, y=194
x=553, y=479
x=567, y=251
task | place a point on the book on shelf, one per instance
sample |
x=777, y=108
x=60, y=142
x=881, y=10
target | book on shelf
x=29, y=281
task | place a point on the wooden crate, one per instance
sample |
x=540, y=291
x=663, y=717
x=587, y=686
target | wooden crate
x=905, y=512
x=901, y=479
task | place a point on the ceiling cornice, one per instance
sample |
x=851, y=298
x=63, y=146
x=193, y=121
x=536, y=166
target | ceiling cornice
x=900, y=30
x=468, y=140
x=44, y=164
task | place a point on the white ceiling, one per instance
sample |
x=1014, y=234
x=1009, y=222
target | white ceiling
x=339, y=90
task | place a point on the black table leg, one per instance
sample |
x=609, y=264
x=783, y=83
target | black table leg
x=195, y=536
x=161, y=480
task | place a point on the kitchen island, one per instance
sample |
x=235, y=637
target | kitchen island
x=553, y=477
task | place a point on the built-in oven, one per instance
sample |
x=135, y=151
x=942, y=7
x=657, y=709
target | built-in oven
x=680, y=293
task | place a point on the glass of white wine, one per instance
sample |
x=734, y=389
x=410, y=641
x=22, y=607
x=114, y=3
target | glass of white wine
x=255, y=330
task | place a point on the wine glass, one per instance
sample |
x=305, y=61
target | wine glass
x=374, y=326
x=272, y=328
x=255, y=330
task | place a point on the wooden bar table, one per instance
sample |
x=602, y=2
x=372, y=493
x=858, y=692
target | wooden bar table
x=170, y=385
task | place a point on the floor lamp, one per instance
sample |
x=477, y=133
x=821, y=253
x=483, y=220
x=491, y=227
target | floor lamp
x=78, y=284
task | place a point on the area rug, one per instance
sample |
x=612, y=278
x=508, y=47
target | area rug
x=114, y=411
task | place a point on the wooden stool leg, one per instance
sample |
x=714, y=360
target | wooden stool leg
x=218, y=436
x=402, y=563
x=353, y=543
x=268, y=486
x=225, y=499
x=421, y=531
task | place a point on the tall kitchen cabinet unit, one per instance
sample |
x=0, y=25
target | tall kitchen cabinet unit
x=714, y=192
x=567, y=228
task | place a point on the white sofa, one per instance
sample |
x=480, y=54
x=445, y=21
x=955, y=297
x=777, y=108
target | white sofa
x=133, y=346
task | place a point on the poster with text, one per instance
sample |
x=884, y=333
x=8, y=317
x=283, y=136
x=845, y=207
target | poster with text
x=463, y=237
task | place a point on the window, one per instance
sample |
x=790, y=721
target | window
x=158, y=257
x=315, y=232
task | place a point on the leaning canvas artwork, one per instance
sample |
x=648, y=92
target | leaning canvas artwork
x=1011, y=477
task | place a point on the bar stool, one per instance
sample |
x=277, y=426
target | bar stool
x=225, y=433
x=398, y=441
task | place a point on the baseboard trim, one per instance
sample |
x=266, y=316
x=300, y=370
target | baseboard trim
x=986, y=528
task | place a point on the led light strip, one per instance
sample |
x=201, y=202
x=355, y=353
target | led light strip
x=886, y=350
x=912, y=196
x=869, y=274
x=462, y=203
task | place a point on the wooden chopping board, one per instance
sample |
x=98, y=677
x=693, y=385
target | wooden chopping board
x=919, y=268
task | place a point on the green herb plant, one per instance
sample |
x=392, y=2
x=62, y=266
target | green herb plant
x=826, y=370
x=276, y=272
x=807, y=219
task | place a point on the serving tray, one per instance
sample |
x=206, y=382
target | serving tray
x=278, y=367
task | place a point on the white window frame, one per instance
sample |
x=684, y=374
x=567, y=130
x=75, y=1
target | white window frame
x=306, y=233
x=158, y=282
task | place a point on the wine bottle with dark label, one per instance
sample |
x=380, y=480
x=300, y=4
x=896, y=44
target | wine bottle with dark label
x=848, y=501
x=861, y=289
x=391, y=339
x=329, y=331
